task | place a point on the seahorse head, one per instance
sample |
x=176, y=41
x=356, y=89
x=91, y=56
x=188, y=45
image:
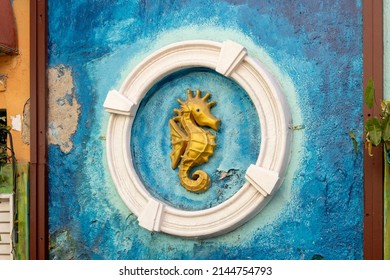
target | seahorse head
x=200, y=109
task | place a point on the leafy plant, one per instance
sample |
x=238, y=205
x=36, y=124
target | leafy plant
x=352, y=135
x=4, y=129
x=377, y=128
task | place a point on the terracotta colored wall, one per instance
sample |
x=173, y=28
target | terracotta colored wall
x=17, y=91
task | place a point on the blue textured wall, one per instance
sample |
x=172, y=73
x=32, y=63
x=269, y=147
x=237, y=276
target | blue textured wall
x=314, y=48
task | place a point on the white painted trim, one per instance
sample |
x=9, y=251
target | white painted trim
x=8, y=200
x=230, y=57
x=232, y=60
x=117, y=103
x=151, y=215
x=262, y=179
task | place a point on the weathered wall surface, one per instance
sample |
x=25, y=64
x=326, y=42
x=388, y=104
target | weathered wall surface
x=16, y=92
x=14, y=97
x=314, y=49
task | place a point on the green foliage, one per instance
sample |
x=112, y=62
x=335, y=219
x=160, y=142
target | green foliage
x=374, y=130
x=369, y=94
x=3, y=152
x=386, y=129
x=377, y=128
x=317, y=257
x=354, y=141
x=3, y=141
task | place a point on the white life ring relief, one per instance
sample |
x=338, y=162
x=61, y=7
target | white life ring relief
x=263, y=177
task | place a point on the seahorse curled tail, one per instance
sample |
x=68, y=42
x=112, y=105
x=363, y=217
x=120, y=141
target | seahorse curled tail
x=200, y=181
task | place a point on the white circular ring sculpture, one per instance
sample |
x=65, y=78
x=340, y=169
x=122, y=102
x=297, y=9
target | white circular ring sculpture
x=263, y=177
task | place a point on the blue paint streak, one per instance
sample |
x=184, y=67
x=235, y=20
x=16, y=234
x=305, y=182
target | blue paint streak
x=316, y=43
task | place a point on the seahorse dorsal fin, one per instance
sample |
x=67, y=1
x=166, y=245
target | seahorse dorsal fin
x=179, y=143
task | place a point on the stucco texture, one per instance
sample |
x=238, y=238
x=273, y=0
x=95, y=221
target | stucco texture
x=14, y=94
x=314, y=50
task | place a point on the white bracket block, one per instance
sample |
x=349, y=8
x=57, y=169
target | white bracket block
x=151, y=215
x=230, y=57
x=262, y=179
x=117, y=103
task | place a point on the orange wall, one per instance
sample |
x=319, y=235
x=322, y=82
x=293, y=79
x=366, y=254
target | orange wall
x=17, y=69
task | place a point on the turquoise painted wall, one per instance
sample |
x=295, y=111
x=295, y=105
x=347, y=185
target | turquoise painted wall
x=314, y=49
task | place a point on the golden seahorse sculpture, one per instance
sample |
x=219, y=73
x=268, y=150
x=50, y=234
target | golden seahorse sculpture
x=191, y=144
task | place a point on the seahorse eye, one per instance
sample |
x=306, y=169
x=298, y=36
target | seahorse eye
x=198, y=110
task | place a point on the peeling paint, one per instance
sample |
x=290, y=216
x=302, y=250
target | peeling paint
x=3, y=82
x=16, y=122
x=26, y=123
x=63, y=107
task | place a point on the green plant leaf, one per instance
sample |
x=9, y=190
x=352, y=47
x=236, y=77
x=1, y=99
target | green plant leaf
x=354, y=141
x=385, y=105
x=374, y=130
x=317, y=257
x=385, y=129
x=369, y=94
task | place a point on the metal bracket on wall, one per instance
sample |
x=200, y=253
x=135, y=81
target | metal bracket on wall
x=3, y=82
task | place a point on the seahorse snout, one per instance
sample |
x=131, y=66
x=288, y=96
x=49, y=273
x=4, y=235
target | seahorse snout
x=210, y=121
x=216, y=124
